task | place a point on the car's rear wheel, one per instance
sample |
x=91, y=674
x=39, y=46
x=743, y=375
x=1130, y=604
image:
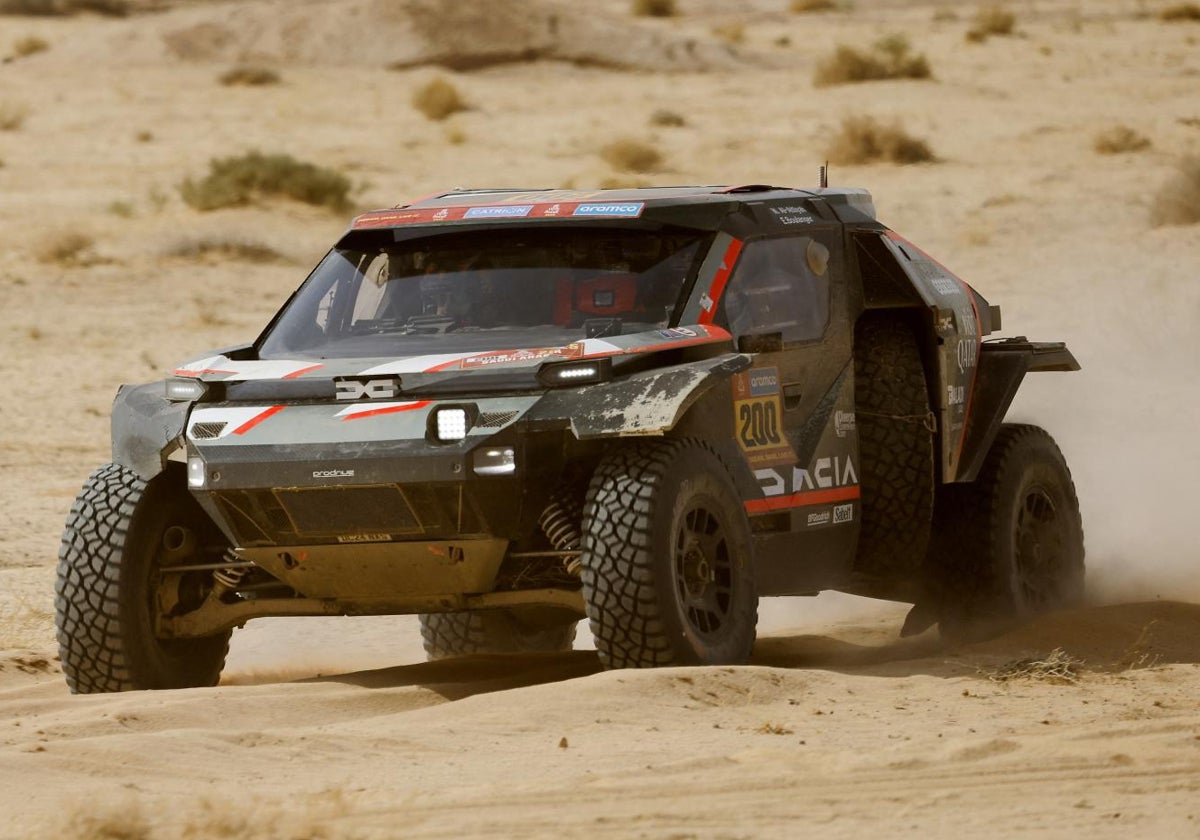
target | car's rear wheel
x=120, y=532
x=667, y=576
x=1009, y=545
x=896, y=457
x=451, y=634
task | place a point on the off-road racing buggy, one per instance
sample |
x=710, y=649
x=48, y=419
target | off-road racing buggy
x=504, y=411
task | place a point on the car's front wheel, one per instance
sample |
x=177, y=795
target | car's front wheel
x=667, y=576
x=120, y=533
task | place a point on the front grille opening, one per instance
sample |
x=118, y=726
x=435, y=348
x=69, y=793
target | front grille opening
x=207, y=431
x=332, y=511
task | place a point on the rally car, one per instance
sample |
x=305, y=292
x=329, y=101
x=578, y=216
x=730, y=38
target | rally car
x=506, y=410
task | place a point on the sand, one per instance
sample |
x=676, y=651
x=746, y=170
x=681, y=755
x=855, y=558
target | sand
x=335, y=727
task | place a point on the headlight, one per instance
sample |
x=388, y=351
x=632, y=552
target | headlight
x=501, y=460
x=576, y=373
x=184, y=390
x=451, y=424
x=195, y=472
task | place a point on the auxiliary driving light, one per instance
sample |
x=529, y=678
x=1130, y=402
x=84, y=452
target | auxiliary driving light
x=576, y=373
x=451, y=424
x=195, y=472
x=184, y=390
x=495, y=461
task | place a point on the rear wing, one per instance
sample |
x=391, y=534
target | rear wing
x=1002, y=366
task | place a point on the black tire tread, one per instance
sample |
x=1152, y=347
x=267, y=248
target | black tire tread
x=896, y=451
x=451, y=634
x=967, y=531
x=94, y=645
x=622, y=600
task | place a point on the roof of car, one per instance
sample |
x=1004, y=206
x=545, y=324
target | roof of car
x=496, y=204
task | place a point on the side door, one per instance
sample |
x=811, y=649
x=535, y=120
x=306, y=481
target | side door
x=786, y=305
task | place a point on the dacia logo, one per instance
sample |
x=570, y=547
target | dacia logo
x=370, y=389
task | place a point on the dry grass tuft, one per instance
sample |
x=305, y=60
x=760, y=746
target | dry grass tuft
x=617, y=183
x=29, y=45
x=1119, y=140
x=733, y=32
x=1178, y=202
x=250, y=76
x=666, y=118
x=121, y=209
x=654, y=8
x=889, y=58
x=66, y=248
x=224, y=247
x=774, y=729
x=631, y=156
x=236, y=181
x=59, y=8
x=989, y=21
x=438, y=99
x=1057, y=666
x=866, y=140
x=1180, y=12
x=801, y=7
x=12, y=115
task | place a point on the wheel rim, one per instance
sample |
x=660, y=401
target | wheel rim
x=1041, y=541
x=703, y=571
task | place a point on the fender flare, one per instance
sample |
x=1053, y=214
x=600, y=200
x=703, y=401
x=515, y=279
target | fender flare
x=648, y=403
x=146, y=428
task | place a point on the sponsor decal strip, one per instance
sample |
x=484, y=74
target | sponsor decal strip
x=358, y=413
x=296, y=374
x=205, y=372
x=718, y=283
x=505, y=210
x=803, y=499
x=258, y=418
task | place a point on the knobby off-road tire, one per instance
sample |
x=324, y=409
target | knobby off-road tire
x=896, y=451
x=452, y=634
x=667, y=576
x=1009, y=545
x=104, y=594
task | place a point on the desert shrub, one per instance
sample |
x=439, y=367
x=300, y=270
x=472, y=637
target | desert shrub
x=1119, y=140
x=235, y=181
x=438, y=99
x=250, y=75
x=991, y=20
x=1180, y=11
x=65, y=248
x=733, y=32
x=225, y=247
x=654, y=8
x=12, y=115
x=801, y=7
x=455, y=136
x=889, y=58
x=619, y=183
x=1178, y=202
x=29, y=45
x=631, y=156
x=666, y=118
x=866, y=140
x=121, y=209
x=56, y=8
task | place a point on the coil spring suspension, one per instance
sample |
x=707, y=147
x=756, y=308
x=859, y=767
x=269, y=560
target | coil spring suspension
x=227, y=580
x=560, y=523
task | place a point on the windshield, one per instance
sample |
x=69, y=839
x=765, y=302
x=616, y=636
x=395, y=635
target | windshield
x=483, y=289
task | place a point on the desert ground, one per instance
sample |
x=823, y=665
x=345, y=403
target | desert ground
x=1082, y=723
